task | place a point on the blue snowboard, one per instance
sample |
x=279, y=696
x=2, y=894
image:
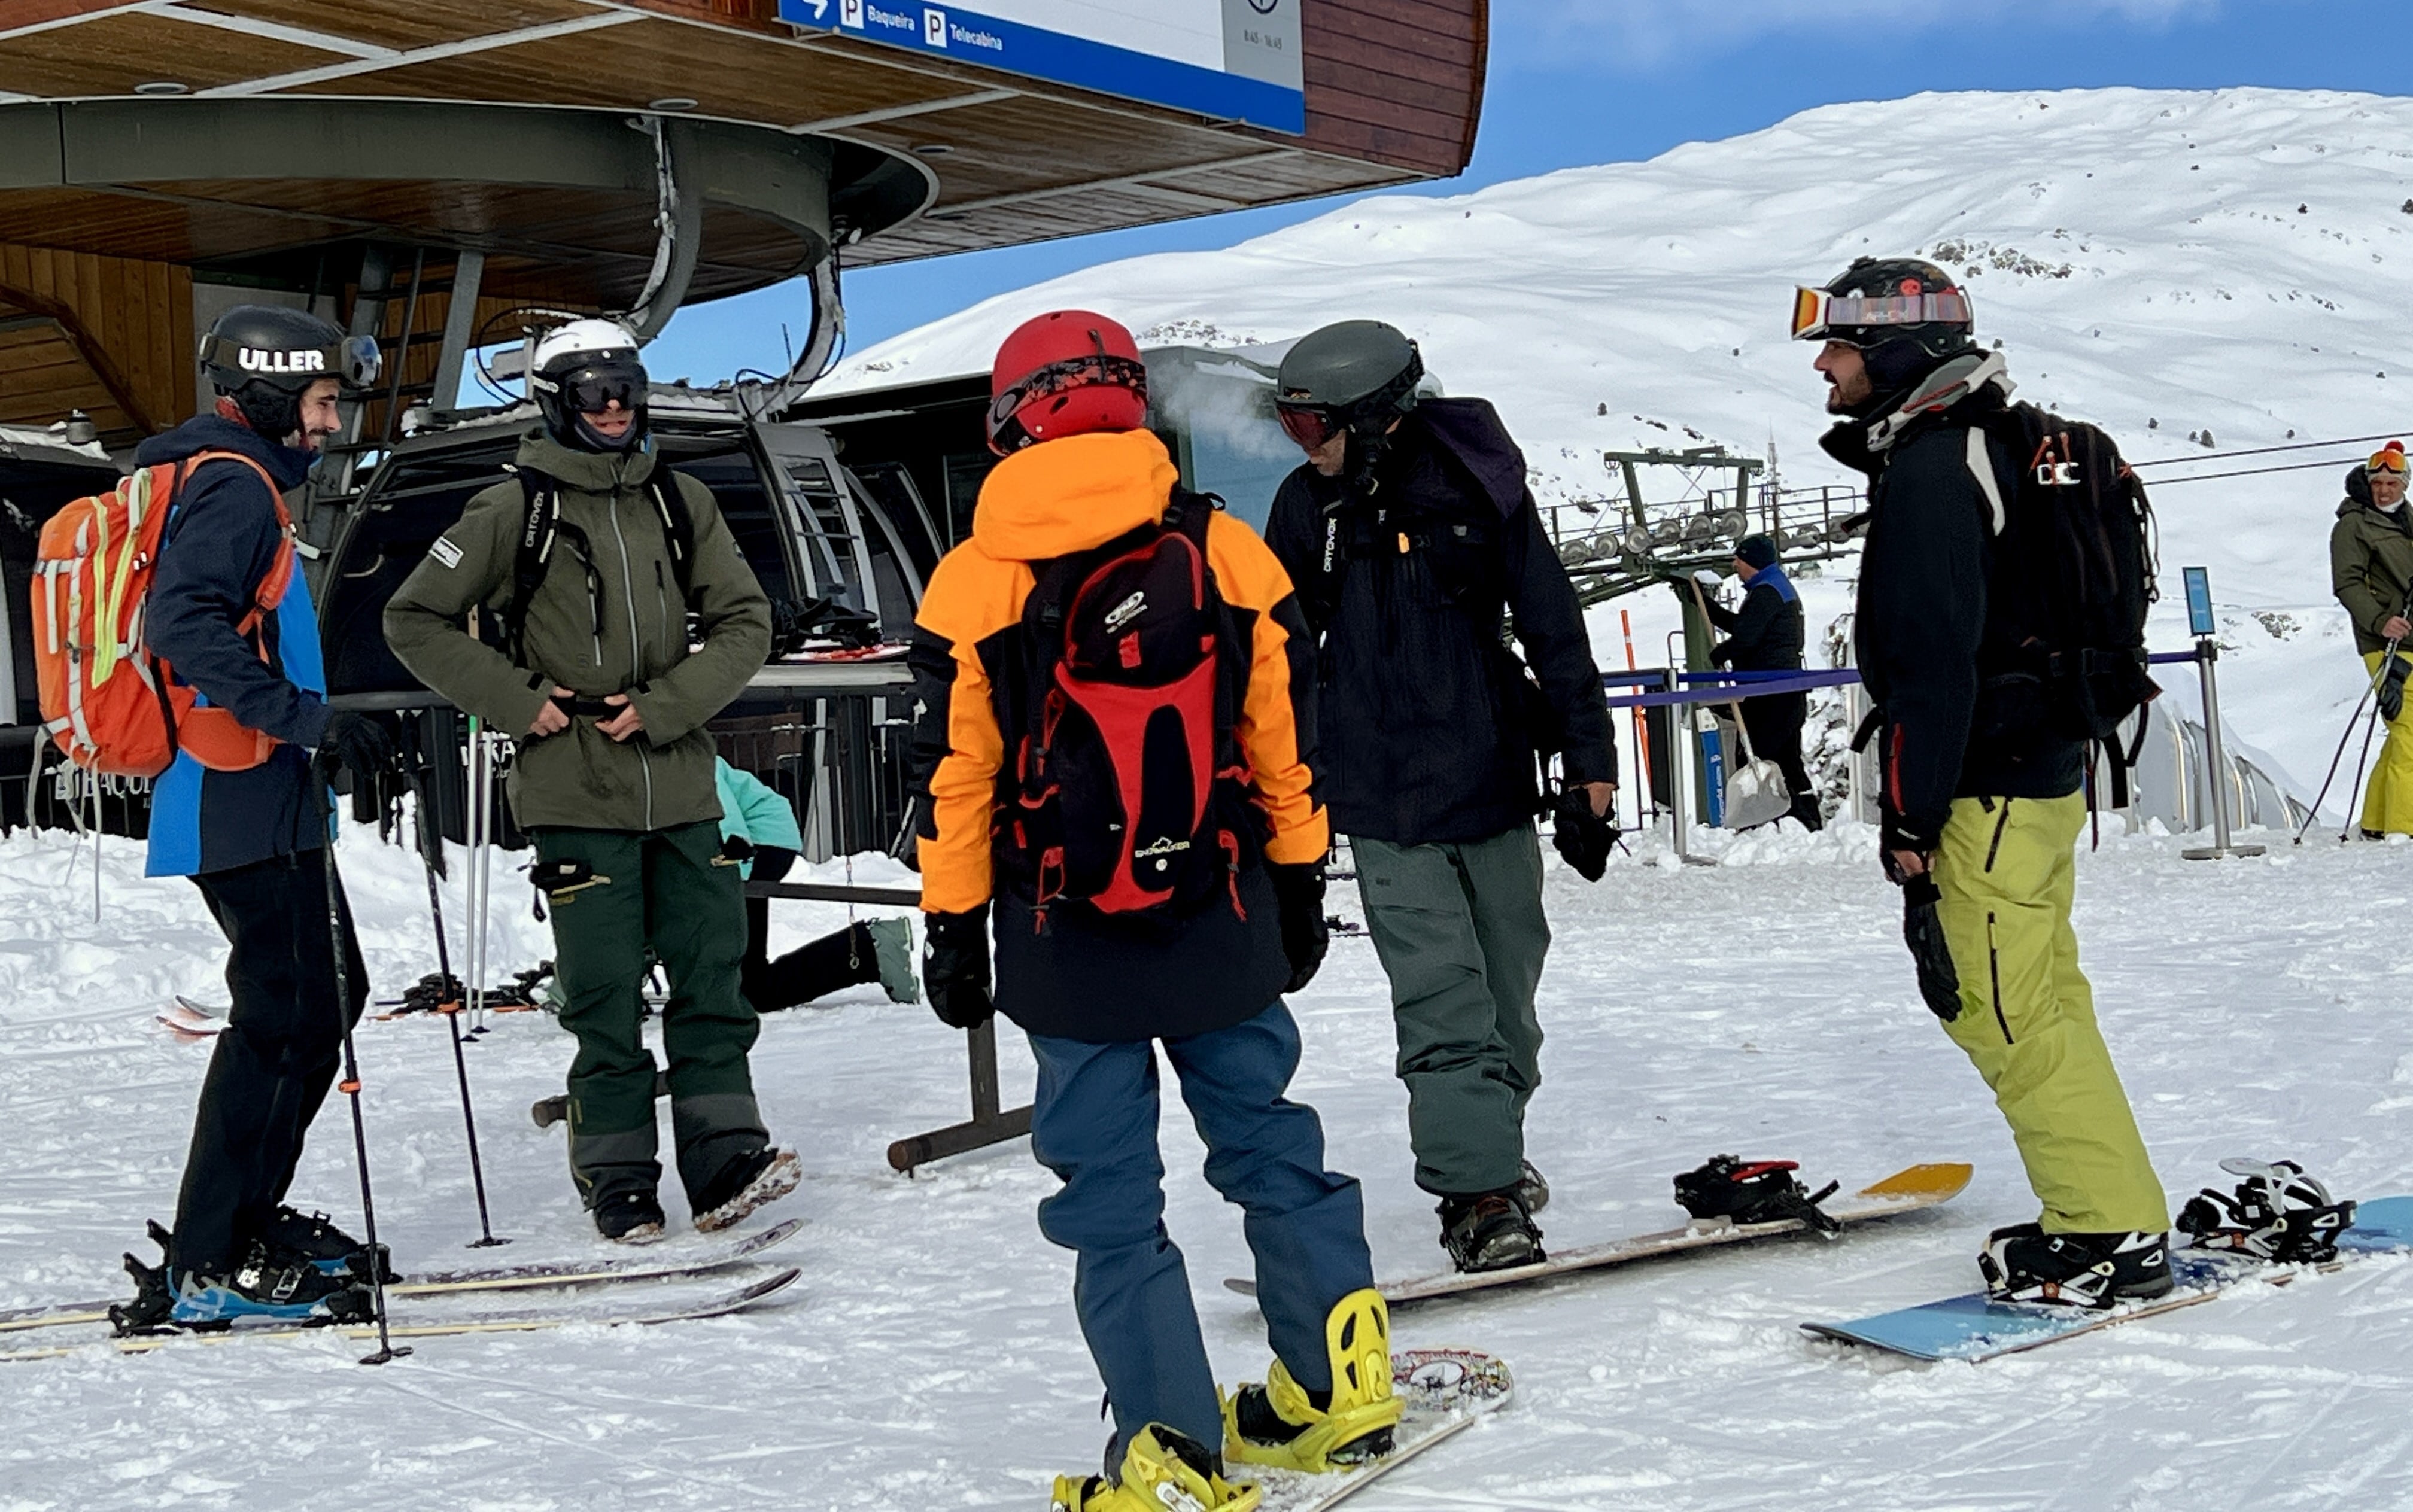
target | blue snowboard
x=1973, y=1328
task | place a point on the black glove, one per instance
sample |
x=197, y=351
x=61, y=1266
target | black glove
x=954, y=967
x=1583, y=837
x=1939, y=980
x=2391, y=687
x=355, y=742
x=1894, y=835
x=771, y=862
x=1306, y=934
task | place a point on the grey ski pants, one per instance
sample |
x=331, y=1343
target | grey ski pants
x=1459, y=929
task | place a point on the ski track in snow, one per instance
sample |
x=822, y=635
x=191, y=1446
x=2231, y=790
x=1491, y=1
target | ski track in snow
x=930, y=1356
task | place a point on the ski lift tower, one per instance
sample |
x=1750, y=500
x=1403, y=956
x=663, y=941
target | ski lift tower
x=441, y=174
x=1705, y=499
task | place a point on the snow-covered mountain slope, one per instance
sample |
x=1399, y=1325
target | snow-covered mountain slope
x=2170, y=265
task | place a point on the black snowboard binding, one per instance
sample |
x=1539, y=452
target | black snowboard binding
x=1753, y=1191
x=433, y=993
x=153, y=1296
x=2278, y=1214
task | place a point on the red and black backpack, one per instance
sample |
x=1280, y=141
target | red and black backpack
x=1125, y=796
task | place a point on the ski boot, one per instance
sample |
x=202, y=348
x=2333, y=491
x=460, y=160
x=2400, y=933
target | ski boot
x=892, y=947
x=1490, y=1231
x=1531, y=1189
x=631, y=1217
x=261, y=1288
x=292, y=1237
x=1161, y=1469
x=1753, y=1192
x=1281, y=1424
x=2278, y=1214
x=748, y=1183
x=2024, y=1264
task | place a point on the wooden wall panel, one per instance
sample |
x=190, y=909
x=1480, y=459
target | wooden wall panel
x=126, y=325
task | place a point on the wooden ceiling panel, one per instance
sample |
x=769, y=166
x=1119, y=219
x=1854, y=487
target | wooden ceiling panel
x=111, y=54
x=43, y=374
x=625, y=67
x=419, y=23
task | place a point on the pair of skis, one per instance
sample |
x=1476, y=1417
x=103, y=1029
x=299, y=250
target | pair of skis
x=542, y=1276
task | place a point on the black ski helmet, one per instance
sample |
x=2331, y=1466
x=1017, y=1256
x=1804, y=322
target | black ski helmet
x=579, y=367
x=265, y=357
x=1357, y=376
x=1904, y=314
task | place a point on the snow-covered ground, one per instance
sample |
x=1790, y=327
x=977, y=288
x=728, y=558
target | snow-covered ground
x=930, y=1358
x=2192, y=271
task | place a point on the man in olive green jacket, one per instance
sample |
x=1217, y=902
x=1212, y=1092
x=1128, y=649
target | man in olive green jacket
x=2371, y=571
x=614, y=775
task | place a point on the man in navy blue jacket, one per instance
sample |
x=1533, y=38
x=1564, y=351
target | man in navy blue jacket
x=254, y=840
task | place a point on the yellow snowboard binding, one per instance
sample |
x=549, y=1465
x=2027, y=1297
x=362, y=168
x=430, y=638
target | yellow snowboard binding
x=1163, y=1471
x=1278, y=1425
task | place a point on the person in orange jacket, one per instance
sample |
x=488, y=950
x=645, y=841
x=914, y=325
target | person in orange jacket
x=1111, y=750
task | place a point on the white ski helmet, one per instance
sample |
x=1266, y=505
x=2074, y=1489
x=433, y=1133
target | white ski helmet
x=580, y=368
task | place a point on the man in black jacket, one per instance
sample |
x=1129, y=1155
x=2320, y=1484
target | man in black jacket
x=252, y=838
x=1412, y=541
x=1766, y=635
x=1981, y=804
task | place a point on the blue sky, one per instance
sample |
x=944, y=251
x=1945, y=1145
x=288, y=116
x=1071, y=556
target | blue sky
x=1582, y=82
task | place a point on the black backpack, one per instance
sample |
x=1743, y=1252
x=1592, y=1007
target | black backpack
x=1125, y=793
x=2072, y=581
x=543, y=527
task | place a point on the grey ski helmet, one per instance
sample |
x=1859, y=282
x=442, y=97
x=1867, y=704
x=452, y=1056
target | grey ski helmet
x=265, y=357
x=578, y=369
x=1357, y=376
x=1904, y=314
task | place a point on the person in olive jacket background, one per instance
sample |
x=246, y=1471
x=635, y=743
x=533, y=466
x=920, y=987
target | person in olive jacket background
x=2371, y=571
x=614, y=770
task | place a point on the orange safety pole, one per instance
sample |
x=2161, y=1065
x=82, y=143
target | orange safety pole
x=1641, y=730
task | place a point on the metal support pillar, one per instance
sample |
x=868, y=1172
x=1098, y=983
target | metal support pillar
x=2216, y=783
x=460, y=329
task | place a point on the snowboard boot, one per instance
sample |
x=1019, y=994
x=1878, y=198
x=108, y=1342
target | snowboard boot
x=291, y=1237
x=1283, y=1425
x=2278, y=1214
x=1753, y=1192
x=1163, y=1469
x=631, y=1217
x=1490, y=1231
x=892, y=947
x=2024, y=1264
x=259, y=1288
x=1531, y=1189
x=748, y=1183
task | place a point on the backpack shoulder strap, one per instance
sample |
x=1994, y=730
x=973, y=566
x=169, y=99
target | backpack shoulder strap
x=540, y=528
x=678, y=527
x=271, y=590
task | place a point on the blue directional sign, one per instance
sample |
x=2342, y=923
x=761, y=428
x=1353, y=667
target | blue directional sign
x=2198, y=595
x=1239, y=59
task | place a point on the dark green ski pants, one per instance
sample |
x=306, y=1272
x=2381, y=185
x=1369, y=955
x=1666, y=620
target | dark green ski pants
x=1461, y=933
x=668, y=891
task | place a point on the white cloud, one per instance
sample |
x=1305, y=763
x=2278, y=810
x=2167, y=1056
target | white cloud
x=1539, y=33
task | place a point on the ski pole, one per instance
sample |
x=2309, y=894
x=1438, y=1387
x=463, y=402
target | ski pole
x=2370, y=691
x=350, y=1085
x=450, y=1005
x=2362, y=757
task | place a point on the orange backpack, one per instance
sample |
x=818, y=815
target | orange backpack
x=106, y=698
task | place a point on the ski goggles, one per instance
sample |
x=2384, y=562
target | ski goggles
x=1310, y=428
x=1063, y=377
x=1819, y=316
x=2391, y=459
x=355, y=360
x=595, y=387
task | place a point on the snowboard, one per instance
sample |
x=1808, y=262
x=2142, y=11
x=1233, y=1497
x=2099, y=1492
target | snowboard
x=670, y=1265
x=1906, y=1191
x=721, y=1305
x=1970, y=1328
x=1446, y=1391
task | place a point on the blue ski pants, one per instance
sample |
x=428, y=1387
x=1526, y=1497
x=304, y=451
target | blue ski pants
x=1093, y=1122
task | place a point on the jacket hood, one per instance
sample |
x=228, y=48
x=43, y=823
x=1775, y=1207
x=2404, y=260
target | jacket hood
x=593, y=472
x=288, y=464
x=1470, y=431
x=1069, y=495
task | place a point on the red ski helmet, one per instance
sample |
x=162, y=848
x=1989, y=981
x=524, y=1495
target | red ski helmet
x=1065, y=373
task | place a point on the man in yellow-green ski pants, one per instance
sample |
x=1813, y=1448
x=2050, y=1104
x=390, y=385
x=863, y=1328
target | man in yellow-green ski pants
x=1982, y=789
